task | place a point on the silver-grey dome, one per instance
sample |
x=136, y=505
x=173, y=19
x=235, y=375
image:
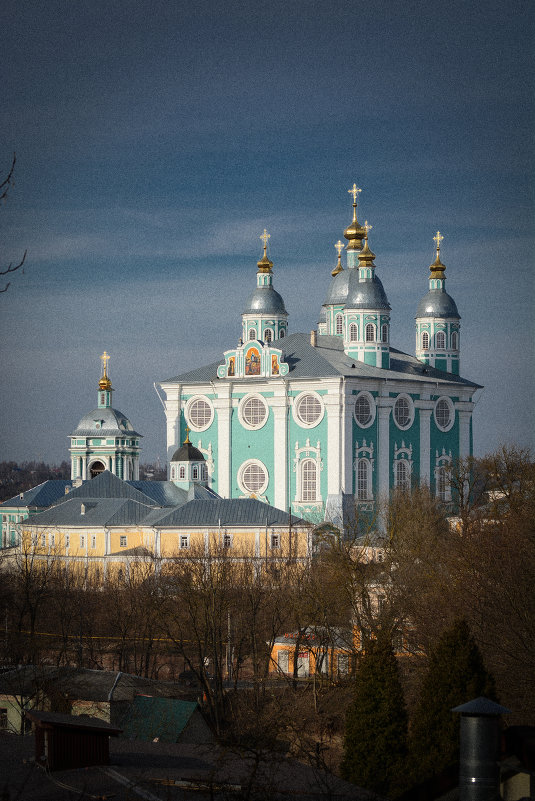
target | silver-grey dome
x=265, y=300
x=437, y=303
x=366, y=294
x=323, y=315
x=337, y=292
x=104, y=422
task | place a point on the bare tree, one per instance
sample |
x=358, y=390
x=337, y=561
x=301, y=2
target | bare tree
x=5, y=186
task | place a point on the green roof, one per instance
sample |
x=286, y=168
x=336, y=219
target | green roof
x=149, y=718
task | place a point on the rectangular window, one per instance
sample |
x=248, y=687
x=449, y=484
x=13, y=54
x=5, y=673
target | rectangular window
x=275, y=541
x=82, y=540
x=67, y=540
x=184, y=541
x=123, y=541
x=343, y=663
x=43, y=540
x=93, y=540
x=227, y=541
x=34, y=539
x=52, y=540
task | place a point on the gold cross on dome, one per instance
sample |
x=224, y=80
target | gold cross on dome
x=438, y=239
x=104, y=359
x=355, y=192
x=367, y=227
x=339, y=247
x=187, y=434
x=265, y=236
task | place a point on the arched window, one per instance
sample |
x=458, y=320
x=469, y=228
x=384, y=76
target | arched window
x=309, y=473
x=339, y=324
x=252, y=333
x=455, y=340
x=370, y=332
x=173, y=472
x=182, y=472
x=281, y=333
x=442, y=484
x=425, y=341
x=403, y=475
x=440, y=340
x=353, y=332
x=195, y=473
x=268, y=335
x=363, y=479
x=384, y=332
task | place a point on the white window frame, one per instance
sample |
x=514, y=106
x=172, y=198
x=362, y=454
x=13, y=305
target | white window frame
x=226, y=540
x=373, y=409
x=93, y=541
x=404, y=396
x=370, y=328
x=305, y=481
x=384, y=332
x=443, y=467
x=364, y=455
x=403, y=455
x=339, y=324
x=442, y=340
x=251, y=336
x=123, y=541
x=296, y=404
x=455, y=340
x=183, y=541
x=187, y=411
x=182, y=472
x=241, y=406
x=353, y=332
x=302, y=455
x=275, y=542
x=269, y=335
x=82, y=540
x=241, y=471
x=452, y=414
x=425, y=340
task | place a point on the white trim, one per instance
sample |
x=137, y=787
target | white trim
x=296, y=403
x=403, y=395
x=187, y=409
x=242, y=403
x=373, y=409
x=452, y=413
x=246, y=490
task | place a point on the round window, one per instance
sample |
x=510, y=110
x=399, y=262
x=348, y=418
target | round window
x=309, y=409
x=199, y=414
x=403, y=412
x=253, y=411
x=253, y=477
x=364, y=410
x=444, y=414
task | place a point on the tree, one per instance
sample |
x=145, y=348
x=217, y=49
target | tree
x=456, y=674
x=5, y=186
x=375, y=742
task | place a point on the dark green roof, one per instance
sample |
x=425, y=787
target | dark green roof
x=164, y=718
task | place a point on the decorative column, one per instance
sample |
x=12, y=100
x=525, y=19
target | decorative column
x=172, y=414
x=384, y=406
x=425, y=407
x=464, y=410
x=223, y=408
x=347, y=441
x=279, y=406
x=334, y=452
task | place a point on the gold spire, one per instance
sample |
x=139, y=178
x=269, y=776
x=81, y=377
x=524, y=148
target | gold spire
x=437, y=268
x=186, y=441
x=265, y=265
x=366, y=256
x=338, y=269
x=354, y=232
x=104, y=382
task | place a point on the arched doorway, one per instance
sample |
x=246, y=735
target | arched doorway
x=96, y=468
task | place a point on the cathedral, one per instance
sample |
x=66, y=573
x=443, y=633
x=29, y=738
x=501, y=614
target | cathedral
x=329, y=421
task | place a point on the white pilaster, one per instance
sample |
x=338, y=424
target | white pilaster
x=223, y=409
x=384, y=406
x=464, y=410
x=172, y=414
x=334, y=451
x=425, y=408
x=347, y=441
x=279, y=406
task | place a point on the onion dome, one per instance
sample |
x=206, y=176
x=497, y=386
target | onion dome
x=187, y=453
x=337, y=292
x=105, y=422
x=104, y=383
x=265, y=299
x=437, y=302
x=355, y=233
x=338, y=269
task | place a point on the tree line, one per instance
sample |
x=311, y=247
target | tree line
x=215, y=619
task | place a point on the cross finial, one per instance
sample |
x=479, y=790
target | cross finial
x=438, y=239
x=265, y=236
x=367, y=228
x=339, y=247
x=355, y=191
x=186, y=441
x=104, y=359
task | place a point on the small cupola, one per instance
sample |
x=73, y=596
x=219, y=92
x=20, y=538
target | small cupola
x=354, y=232
x=188, y=465
x=264, y=317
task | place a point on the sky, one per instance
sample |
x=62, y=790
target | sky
x=156, y=140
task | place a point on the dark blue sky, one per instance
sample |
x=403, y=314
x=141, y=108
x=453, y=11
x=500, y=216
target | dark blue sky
x=156, y=140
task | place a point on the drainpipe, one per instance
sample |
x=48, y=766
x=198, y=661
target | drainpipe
x=479, y=773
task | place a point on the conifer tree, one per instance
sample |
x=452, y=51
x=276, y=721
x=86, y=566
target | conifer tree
x=456, y=674
x=376, y=723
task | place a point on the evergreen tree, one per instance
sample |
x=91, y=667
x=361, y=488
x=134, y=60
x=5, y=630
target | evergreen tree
x=376, y=723
x=456, y=674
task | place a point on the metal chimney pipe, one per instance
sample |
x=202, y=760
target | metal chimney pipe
x=479, y=773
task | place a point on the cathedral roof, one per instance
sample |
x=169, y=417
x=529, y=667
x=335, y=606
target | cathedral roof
x=368, y=294
x=187, y=453
x=265, y=300
x=104, y=422
x=338, y=287
x=437, y=303
x=223, y=512
x=328, y=359
x=42, y=495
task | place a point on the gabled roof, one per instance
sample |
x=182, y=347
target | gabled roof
x=108, y=485
x=328, y=359
x=42, y=495
x=87, y=512
x=222, y=512
x=164, y=718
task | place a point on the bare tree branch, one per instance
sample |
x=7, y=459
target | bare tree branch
x=5, y=186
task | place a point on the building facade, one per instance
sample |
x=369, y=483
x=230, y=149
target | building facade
x=324, y=422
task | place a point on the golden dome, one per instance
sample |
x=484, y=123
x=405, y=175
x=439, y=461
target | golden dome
x=437, y=268
x=366, y=256
x=265, y=265
x=104, y=383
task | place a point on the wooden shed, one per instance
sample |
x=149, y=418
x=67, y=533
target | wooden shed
x=71, y=741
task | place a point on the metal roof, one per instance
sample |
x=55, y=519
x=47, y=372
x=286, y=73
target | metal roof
x=42, y=495
x=87, y=512
x=164, y=718
x=328, y=359
x=265, y=300
x=111, y=422
x=437, y=303
x=222, y=512
x=108, y=485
